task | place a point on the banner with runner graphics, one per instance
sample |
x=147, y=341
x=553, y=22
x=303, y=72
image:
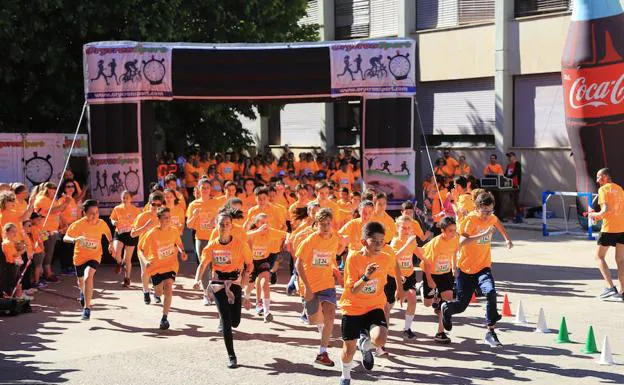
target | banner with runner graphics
x=127, y=71
x=37, y=158
x=110, y=174
x=390, y=170
x=383, y=68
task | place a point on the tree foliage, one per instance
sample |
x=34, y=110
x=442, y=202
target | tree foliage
x=41, y=73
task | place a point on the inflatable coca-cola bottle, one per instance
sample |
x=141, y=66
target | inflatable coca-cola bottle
x=593, y=84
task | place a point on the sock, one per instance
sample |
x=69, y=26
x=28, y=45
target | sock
x=320, y=328
x=408, y=321
x=266, y=305
x=346, y=370
x=322, y=350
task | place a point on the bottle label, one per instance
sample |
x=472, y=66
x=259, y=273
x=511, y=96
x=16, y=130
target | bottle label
x=594, y=92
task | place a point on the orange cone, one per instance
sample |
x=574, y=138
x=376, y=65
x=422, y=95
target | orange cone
x=506, y=307
x=474, y=298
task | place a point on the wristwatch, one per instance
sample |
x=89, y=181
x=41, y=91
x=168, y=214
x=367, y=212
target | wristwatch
x=365, y=278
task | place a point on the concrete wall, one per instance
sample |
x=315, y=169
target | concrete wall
x=457, y=53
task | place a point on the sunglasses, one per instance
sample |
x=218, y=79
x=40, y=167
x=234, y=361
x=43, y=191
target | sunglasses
x=156, y=204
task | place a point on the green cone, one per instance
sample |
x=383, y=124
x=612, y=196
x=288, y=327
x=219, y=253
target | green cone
x=563, y=332
x=590, y=343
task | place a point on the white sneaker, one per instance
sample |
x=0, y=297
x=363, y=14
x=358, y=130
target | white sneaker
x=207, y=301
x=26, y=297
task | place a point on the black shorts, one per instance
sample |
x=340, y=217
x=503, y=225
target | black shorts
x=158, y=278
x=126, y=239
x=610, y=239
x=410, y=282
x=444, y=282
x=353, y=324
x=262, y=265
x=80, y=269
x=390, y=290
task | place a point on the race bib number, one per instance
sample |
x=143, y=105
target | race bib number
x=370, y=287
x=89, y=243
x=165, y=252
x=405, y=262
x=227, y=170
x=74, y=212
x=259, y=252
x=124, y=229
x=484, y=240
x=320, y=258
x=205, y=222
x=443, y=266
x=344, y=181
x=221, y=257
x=175, y=221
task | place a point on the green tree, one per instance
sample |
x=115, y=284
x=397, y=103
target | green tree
x=41, y=74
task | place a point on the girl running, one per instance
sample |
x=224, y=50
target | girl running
x=160, y=249
x=177, y=213
x=122, y=217
x=228, y=262
x=86, y=234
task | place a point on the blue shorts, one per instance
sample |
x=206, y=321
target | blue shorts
x=327, y=295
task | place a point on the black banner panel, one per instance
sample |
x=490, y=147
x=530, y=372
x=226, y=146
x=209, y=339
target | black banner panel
x=113, y=128
x=276, y=72
x=388, y=123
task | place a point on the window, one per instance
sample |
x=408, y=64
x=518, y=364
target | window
x=431, y=14
x=539, y=7
x=352, y=19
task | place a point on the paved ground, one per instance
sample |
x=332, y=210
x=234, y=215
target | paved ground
x=121, y=343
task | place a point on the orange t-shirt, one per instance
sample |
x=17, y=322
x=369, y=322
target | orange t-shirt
x=226, y=170
x=275, y=217
x=10, y=251
x=37, y=240
x=319, y=260
x=372, y=295
x=249, y=201
x=227, y=258
x=141, y=220
x=205, y=221
x=160, y=248
x=439, y=253
x=265, y=243
x=436, y=206
x=344, y=179
x=190, y=180
x=71, y=213
x=12, y=216
x=612, y=195
x=42, y=206
x=416, y=229
x=353, y=230
x=388, y=224
x=493, y=169
x=238, y=232
x=124, y=215
x=476, y=256
x=463, y=170
x=405, y=259
x=178, y=218
x=91, y=247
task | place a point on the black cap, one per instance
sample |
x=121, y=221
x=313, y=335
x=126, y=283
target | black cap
x=35, y=215
x=511, y=153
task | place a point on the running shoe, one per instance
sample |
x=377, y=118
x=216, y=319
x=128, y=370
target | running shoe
x=273, y=278
x=446, y=318
x=164, y=324
x=442, y=338
x=291, y=289
x=345, y=381
x=86, y=314
x=41, y=284
x=146, y=298
x=220, y=327
x=232, y=363
x=323, y=359
x=26, y=297
x=54, y=279
x=126, y=282
x=608, y=292
x=157, y=299
x=368, y=361
x=259, y=310
x=118, y=268
x=207, y=301
x=268, y=317
x=381, y=352
x=81, y=299
x=30, y=291
x=304, y=319
x=408, y=334
x=492, y=339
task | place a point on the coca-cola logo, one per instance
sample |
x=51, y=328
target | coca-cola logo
x=596, y=94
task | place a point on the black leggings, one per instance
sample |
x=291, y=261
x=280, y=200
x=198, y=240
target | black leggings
x=230, y=315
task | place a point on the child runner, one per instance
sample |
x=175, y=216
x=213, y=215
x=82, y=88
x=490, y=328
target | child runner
x=228, y=262
x=316, y=265
x=438, y=265
x=13, y=248
x=122, y=217
x=160, y=249
x=474, y=264
x=363, y=300
x=86, y=233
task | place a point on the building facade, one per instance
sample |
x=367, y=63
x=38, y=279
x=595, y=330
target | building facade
x=489, y=81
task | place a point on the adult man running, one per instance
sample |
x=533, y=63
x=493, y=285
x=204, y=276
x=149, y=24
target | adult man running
x=611, y=201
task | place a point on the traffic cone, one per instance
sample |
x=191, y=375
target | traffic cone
x=563, y=336
x=541, y=323
x=590, y=343
x=606, y=358
x=474, y=298
x=506, y=307
x=520, y=317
